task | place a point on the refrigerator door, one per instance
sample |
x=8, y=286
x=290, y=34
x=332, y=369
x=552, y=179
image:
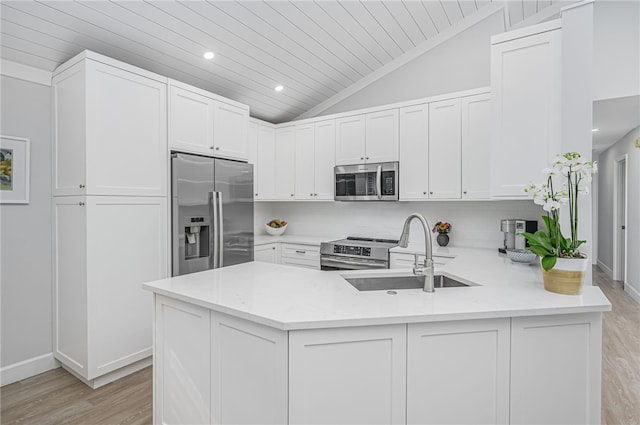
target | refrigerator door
x=234, y=181
x=192, y=201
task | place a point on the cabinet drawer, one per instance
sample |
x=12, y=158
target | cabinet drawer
x=306, y=252
x=301, y=262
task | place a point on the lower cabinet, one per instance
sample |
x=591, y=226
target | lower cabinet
x=105, y=248
x=212, y=368
x=267, y=253
x=458, y=372
x=289, y=254
x=348, y=375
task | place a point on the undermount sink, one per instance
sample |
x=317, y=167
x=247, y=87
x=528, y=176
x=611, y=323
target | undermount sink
x=382, y=283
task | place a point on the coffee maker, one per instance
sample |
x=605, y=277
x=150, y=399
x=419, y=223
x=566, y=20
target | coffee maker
x=512, y=227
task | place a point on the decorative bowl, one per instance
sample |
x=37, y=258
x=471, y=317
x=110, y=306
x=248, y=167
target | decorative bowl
x=275, y=231
x=521, y=255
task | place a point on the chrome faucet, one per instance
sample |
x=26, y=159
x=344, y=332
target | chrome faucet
x=425, y=269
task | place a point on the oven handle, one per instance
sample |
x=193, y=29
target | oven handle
x=379, y=181
x=335, y=262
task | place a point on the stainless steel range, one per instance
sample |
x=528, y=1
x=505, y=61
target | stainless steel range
x=356, y=253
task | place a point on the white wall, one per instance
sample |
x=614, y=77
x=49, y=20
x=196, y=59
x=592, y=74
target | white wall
x=606, y=168
x=461, y=63
x=26, y=232
x=475, y=224
x=616, y=49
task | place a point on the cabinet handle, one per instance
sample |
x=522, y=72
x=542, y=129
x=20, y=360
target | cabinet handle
x=211, y=147
x=465, y=192
x=315, y=194
x=424, y=193
x=292, y=194
x=367, y=158
x=430, y=193
x=217, y=148
x=81, y=186
x=362, y=158
x=81, y=204
x=311, y=194
x=256, y=194
x=273, y=247
x=300, y=252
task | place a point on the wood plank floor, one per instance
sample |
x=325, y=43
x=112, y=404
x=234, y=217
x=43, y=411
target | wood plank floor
x=56, y=397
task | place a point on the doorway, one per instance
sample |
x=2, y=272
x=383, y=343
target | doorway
x=620, y=219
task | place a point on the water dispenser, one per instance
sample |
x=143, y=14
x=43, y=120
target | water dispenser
x=196, y=238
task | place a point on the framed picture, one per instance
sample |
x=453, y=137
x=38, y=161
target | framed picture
x=14, y=170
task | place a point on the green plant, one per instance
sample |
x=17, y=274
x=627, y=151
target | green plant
x=573, y=175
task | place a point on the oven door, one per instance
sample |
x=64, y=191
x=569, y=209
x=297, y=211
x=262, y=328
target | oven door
x=367, y=182
x=333, y=262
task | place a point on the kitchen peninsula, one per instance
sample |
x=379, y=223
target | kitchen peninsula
x=266, y=343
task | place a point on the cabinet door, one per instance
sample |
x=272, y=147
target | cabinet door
x=248, y=372
x=348, y=375
x=127, y=245
x=126, y=133
x=476, y=146
x=325, y=156
x=70, y=283
x=266, y=253
x=285, y=156
x=350, y=140
x=230, y=131
x=525, y=87
x=445, y=150
x=182, y=363
x=252, y=146
x=191, y=118
x=69, y=149
x=555, y=369
x=414, y=152
x=266, y=167
x=382, y=136
x=452, y=361
x=297, y=255
x=305, y=161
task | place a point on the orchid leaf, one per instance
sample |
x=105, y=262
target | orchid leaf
x=548, y=262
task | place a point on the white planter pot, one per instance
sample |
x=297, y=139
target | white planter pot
x=566, y=277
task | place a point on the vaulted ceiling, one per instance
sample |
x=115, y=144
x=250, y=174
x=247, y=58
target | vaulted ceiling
x=315, y=49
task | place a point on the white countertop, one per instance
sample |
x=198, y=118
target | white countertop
x=290, y=298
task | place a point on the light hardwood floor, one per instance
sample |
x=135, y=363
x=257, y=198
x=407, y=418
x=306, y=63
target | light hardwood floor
x=55, y=397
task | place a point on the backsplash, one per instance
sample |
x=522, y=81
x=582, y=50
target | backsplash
x=474, y=223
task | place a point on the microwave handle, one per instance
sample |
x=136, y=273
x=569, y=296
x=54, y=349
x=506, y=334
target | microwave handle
x=379, y=181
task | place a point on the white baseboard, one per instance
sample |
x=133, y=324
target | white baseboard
x=605, y=269
x=112, y=376
x=633, y=292
x=27, y=368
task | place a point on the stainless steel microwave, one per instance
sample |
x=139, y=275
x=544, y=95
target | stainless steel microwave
x=366, y=182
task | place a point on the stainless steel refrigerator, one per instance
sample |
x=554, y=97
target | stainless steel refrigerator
x=211, y=213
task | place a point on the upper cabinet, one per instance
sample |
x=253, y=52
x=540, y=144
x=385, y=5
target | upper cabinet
x=526, y=90
x=476, y=146
x=264, y=172
x=110, y=130
x=284, y=163
x=445, y=147
x=206, y=124
x=367, y=138
x=414, y=152
x=314, y=160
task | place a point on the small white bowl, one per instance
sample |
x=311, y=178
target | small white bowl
x=521, y=255
x=273, y=231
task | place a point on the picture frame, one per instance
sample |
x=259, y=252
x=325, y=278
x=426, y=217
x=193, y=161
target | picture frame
x=14, y=170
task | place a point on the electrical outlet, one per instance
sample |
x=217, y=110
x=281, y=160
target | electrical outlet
x=637, y=143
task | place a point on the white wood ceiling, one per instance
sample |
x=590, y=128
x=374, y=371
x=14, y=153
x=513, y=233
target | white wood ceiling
x=314, y=48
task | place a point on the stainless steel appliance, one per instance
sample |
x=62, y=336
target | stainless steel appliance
x=367, y=182
x=211, y=213
x=356, y=253
x=511, y=228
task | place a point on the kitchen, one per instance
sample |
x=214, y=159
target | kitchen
x=475, y=225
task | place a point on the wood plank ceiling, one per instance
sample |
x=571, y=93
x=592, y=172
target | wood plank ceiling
x=314, y=49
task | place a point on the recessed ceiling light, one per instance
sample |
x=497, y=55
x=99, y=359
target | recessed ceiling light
x=209, y=55
x=278, y=88
x=595, y=129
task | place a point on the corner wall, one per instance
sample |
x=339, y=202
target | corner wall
x=25, y=251
x=606, y=171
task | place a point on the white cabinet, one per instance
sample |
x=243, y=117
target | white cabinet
x=526, y=97
x=476, y=146
x=348, y=375
x=284, y=163
x=555, y=369
x=249, y=370
x=299, y=255
x=105, y=248
x=110, y=131
x=453, y=361
x=314, y=160
x=182, y=369
x=252, y=145
x=414, y=152
x=367, y=138
x=445, y=149
x=265, y=183
x=206, y=124
x=267, y=253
